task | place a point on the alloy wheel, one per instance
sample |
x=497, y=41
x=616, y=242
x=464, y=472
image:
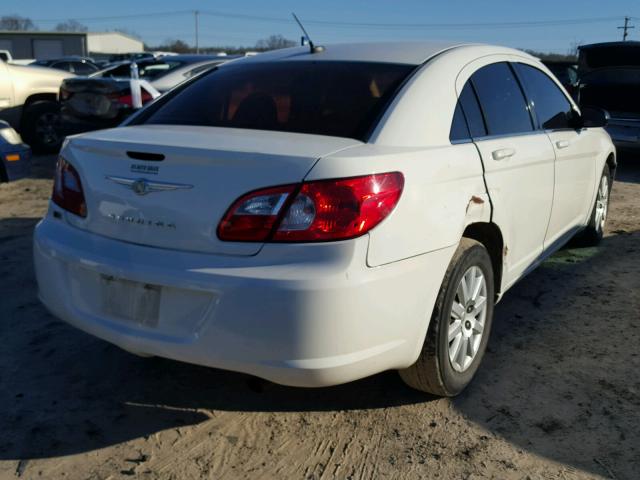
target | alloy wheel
x=602, y=203
x=467, y=319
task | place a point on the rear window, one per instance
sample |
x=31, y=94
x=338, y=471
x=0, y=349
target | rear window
x=340, y=99
x=612, y=56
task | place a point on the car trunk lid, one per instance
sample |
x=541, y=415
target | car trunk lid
x=192, y=176
x=99, y=98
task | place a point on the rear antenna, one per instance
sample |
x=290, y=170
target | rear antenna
x=312, y=47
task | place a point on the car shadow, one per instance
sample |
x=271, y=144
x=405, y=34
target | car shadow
x=549, y=384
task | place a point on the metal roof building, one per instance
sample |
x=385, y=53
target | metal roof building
x=43, y=45
x=46, y=45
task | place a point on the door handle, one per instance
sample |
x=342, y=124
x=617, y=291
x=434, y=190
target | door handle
x=562, y=143
x=503, y=153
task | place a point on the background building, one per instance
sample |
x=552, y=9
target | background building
x=43, y=45
x=113, y=42
x=46, y=45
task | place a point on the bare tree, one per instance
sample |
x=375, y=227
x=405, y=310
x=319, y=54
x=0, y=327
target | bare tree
x=16, y=22
x=71, y=26
x=177, y=46
x=573, y=48
x=274, y=42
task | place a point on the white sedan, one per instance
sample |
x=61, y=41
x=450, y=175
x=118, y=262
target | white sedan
x=315, y=217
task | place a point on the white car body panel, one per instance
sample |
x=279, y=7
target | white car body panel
x=309, y=314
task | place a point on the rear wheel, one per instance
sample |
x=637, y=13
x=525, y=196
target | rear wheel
x=41, y=126
x=459, y=327
x=592, y=235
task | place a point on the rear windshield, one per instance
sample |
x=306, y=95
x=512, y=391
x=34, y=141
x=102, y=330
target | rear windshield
x=340, y=99
x=613, y=56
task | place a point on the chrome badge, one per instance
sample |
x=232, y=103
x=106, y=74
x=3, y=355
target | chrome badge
x=142, y=186
x=130, y=219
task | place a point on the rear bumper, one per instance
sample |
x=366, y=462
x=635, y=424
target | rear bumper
x=625, y=134
x=302, y=315
x=16, y=169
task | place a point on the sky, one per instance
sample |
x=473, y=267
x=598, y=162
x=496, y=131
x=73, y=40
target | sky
x=561, y=24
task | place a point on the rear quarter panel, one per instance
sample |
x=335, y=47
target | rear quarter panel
x=436, y=203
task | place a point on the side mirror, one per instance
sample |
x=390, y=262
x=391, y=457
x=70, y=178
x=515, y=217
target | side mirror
x=594, y=117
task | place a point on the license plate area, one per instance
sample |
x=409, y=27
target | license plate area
x=133, y=302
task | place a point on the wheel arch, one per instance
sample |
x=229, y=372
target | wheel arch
x=490, y=236
x=40, y=97
x=612, y=163
x=37, y=97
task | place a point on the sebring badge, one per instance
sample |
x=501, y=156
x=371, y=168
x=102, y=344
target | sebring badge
x=129, y=219
x=142, y=186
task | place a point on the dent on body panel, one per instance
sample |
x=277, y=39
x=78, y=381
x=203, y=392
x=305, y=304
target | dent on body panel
x=444, y=192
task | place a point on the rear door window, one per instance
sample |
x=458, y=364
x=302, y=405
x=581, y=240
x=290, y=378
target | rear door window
x=551, y=106
x=340, y=99
x=502, y=101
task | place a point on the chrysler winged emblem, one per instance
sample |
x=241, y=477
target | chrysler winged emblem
x=142, y=186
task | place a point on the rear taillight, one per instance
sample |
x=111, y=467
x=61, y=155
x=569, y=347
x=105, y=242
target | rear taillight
x=316, y=211
x=127, y=100
x=67, y=189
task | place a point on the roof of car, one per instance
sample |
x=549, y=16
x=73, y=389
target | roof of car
x=413, y=53
x=190, y=58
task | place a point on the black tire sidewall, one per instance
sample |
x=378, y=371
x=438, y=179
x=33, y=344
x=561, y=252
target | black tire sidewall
x=31, y=115
x=593, y=233
x=454, y=382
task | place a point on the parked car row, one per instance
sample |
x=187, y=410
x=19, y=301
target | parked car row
x=76, y=65
x=104, y=99
x=609, y=77
x=29, y=95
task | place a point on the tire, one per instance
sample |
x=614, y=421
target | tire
x=41, y=127
x=435, y=371
x=592, y=235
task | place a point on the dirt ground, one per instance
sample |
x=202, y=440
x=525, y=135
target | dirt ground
x=556, y=398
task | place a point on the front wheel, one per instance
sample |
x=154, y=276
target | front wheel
x=592, y=235
x=41, y=126
x=460, y=325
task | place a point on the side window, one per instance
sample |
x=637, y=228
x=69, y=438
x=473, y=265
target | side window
x=467, y=119
x=82, y=68
x=459, y=129
x=502, y=101
x=62, y=66
x=550, y=104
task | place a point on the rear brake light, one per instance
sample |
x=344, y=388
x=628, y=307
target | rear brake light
x=67, y=189
x=323, y=210
x=252, y=217
x=128, y=100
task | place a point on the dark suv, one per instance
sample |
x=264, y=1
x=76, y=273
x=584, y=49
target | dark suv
x=609, y=78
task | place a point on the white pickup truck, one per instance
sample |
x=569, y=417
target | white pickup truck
x=28, y=101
